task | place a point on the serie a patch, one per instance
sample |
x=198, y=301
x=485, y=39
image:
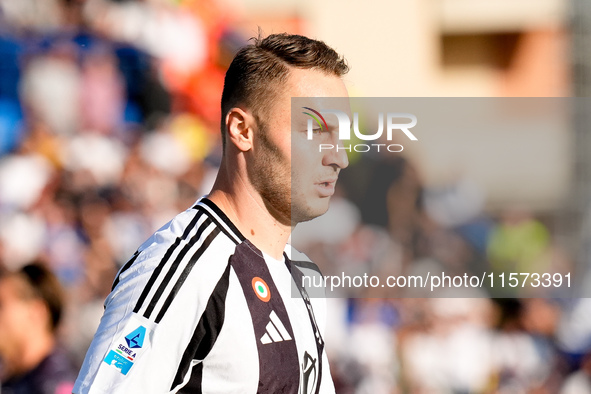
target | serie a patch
x=130, y=345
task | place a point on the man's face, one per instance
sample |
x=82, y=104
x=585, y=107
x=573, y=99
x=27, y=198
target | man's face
x=15, y=316
x=293, y=177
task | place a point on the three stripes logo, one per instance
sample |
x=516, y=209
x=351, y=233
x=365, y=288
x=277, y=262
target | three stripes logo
x=275, y=330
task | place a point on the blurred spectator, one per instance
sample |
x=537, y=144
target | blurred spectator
x=446, y=345
x=102, y=92
x=22, y=179
x=519, y=243
x=579, y=382
x=31, y=302
x=523, y=361
x=51, y=86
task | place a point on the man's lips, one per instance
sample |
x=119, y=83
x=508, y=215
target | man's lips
x=326, y=187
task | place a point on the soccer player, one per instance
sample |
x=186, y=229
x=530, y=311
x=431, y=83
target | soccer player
x=205, y=304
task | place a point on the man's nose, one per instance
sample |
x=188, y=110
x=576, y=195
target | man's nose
x=336, y=156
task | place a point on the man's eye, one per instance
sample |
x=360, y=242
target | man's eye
x=317, y=131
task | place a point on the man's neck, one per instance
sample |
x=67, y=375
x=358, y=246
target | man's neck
x=249, y=214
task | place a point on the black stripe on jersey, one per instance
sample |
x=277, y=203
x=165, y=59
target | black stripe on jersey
x=193, y=386
x=204, y=336
x=219, y=214
x=279, y=367
x=186, y=272
x=164, y=260
x=307, y=265
x=174, y=266
x=125, y=268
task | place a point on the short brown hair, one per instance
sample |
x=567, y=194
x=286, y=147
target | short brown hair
x=256, y=67
x=38, y=282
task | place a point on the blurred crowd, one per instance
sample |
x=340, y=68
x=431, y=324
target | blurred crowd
x=109, y=126
x=386, y=221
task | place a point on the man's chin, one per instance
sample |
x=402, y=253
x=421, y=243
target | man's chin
x=310, y=212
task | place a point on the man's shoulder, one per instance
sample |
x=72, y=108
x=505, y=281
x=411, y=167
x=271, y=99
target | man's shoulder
x=178, y=246
x=171, y=230
x=195, y=222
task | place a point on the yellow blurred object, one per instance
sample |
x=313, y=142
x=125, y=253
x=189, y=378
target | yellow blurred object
x=193, y=136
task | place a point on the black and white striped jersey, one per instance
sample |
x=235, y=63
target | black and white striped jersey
x=199, y=309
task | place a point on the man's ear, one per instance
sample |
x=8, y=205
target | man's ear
x=240, y=129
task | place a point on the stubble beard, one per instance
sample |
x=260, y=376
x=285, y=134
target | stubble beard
x=270, y=175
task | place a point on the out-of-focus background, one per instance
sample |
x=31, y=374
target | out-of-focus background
x=109, y=126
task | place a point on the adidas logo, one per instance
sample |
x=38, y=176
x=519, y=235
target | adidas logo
x=276, y=331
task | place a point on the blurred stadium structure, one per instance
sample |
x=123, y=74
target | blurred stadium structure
x=109, y=125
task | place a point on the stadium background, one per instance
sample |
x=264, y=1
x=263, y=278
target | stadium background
x=109, y=116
